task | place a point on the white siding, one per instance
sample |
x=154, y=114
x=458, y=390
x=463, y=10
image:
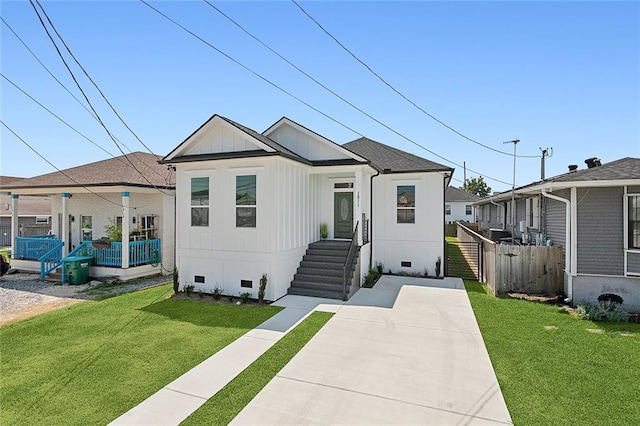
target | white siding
x=221, y=138
x=421, y=243
x=307, y=146
x=459, y=211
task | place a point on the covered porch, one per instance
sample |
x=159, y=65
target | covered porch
x=44, y=254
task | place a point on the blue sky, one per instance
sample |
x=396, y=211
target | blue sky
x=552, y=74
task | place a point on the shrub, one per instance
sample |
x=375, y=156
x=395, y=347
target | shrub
x=176, y=283
x=217, y=292
x=602, y=311
x=324, y=230
x=189, y=289
x=113, y=231
x=371, y=277
x=244, y=297
x=263, y=285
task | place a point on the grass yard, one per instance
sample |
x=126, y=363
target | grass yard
x=93, y=361
x=230, y=400
x=556, y=369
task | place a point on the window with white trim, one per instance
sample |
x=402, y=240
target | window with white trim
x=633, y=222
x=246, y=201
x=200, y=201
x=508, y=213
x=447, y=209
x=406, y=204
x=468, y=209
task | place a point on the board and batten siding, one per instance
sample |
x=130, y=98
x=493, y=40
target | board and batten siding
x=600, y=231
x=305, y=145
x=220, y=138
x=420, y=243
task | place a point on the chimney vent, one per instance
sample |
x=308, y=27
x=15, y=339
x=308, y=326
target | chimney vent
x=592, y=162
x=573, y=167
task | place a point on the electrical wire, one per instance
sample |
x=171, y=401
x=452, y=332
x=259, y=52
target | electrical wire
x=85, y=95
x=69, y=92
x=90, y=79
x=353, y=55
x=61, y=171
x=266, y=80
x=56, y=116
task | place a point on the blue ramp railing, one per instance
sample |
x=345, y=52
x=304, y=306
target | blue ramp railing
x=51, y=260
x=33, y=248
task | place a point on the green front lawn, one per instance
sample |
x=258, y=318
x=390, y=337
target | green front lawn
x=556, y=369
x=93, y=361
x=230, y=400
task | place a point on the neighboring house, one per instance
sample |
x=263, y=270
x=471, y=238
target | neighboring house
x=134, y=192
x=458, y=205
x=594, y=214
x=34, y=217
x=252, y=203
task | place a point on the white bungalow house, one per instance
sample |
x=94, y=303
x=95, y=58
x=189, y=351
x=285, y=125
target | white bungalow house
x=592, y=213
x=458, y=205
x=133, y=192
x=252, y=203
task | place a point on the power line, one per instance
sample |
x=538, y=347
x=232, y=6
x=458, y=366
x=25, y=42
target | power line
x=72, y=95
x=54, y=114
x=61, y=171
x=45, y=67
x=84, y=94
x=266, y=80
x=400, y=93
x=90, y=79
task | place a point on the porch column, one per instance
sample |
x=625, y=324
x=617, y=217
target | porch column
x=126, y=221
x=65, y=223
x=15, y=226
x=358, y=206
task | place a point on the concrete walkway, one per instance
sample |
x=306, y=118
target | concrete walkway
x=407, y=351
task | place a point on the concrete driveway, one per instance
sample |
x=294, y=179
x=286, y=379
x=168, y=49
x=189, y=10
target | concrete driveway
x=408, y=351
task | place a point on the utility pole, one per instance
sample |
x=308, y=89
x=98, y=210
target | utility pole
x=513, y=192
x=547, y=152
x=464, y=166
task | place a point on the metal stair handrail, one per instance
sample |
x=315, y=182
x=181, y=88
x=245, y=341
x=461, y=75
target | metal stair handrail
x=348, y=263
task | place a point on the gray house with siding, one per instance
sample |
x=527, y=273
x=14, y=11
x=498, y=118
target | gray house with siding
x=593, y=213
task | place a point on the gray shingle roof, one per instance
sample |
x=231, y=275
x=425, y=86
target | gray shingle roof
x=392, y=160
x=624, y=168
x=456, y=194
x=114, y=171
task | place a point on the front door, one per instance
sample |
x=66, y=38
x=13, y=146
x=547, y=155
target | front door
x=343, y=214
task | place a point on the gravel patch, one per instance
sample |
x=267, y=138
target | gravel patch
x=24, y=294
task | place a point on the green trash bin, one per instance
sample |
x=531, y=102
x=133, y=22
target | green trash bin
x=77, y=269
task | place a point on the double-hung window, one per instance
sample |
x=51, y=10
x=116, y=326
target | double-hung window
x=246, y=201
x=633, y=222
x=406, y=204
x=200, y=201
x=447, y=209
x=468, y=209
x=532, y=212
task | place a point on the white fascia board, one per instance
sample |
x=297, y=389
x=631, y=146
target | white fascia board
x=54, y=191
x=318, y=170
x=216, y=119
x=316, y=136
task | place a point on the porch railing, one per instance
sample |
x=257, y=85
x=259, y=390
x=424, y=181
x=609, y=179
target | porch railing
x=140, y=253
x=33, y=248
x=348, y=263
x=51, y=259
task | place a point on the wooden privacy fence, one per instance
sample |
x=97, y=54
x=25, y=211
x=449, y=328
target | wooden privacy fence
x=521, y=269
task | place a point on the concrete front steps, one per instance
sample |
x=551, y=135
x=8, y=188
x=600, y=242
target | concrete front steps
x=320, y=273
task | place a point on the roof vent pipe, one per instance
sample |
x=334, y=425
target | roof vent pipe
x=573, y=167
x=592, y=162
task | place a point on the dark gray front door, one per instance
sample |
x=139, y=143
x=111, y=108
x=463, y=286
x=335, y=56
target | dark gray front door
x=343, y=214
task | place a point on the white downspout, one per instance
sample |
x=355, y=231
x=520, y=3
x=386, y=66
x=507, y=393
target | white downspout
x=568, y=246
